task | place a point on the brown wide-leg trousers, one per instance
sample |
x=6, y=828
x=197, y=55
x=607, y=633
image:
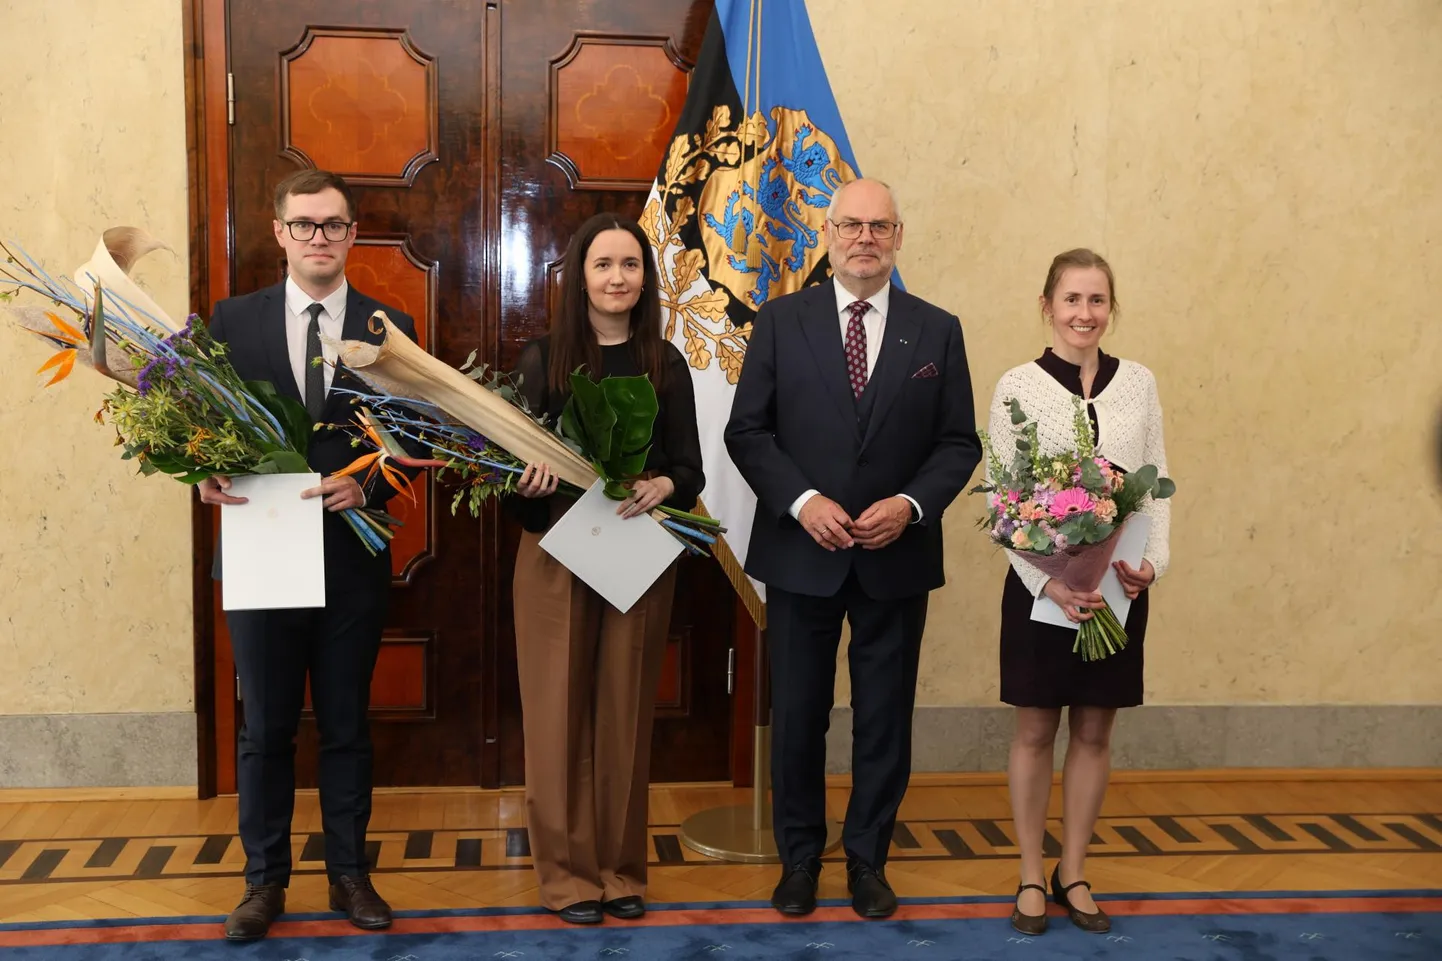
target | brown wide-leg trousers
x=588, y=678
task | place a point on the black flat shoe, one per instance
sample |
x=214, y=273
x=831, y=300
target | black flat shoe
x=582, y=912
x=1032, y=924
x=796, y=893
x=871, y=896
x=627, y=908
x=1097, y=923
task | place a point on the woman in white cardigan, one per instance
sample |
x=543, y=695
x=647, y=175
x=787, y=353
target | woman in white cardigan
x=1040, y=675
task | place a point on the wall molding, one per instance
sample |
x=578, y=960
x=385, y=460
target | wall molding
x=1183, y=738
x=97, y=750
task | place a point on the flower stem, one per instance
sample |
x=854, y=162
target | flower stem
x=1101, y=636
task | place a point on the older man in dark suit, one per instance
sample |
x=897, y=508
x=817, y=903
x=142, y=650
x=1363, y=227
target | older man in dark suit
x=853, y=424
x=275, y=335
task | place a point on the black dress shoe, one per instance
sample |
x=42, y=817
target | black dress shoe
x=364, y=908
x=251, y=919
x=796, y=894
x=1095, y=923
x=871, y=896
x=582, y=912
x=627, y=908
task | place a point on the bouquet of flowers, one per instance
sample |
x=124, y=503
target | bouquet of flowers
x=180, y=407
x=1062, y=512
x=475, y=423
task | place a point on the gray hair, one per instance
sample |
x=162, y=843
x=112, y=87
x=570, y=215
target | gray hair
x=895, y=204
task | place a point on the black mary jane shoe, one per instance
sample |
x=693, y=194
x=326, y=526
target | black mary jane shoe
x=582, y=912
x=1032, y=924
x=1097, y=923
x=627, y=909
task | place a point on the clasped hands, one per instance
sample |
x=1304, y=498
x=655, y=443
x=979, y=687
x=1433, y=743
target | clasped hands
x=831, y=527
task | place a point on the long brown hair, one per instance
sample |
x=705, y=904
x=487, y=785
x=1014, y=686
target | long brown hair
x=573, y=342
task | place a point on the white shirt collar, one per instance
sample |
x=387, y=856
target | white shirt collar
x=298, y=300
x=879, y=301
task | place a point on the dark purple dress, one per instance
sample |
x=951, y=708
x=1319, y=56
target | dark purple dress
x=1038, y=667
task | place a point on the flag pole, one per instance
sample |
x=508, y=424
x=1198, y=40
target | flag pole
x=743, y=832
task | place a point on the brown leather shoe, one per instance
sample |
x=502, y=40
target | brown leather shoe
x=251, y=919
x=358, y=899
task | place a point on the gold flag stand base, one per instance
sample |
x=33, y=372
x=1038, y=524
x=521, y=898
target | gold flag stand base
x=742, y=832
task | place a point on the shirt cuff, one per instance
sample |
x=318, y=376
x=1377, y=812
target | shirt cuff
x=914, y=506
x=797, y=504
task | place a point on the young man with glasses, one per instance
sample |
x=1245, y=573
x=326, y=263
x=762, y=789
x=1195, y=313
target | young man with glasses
x=275, y=335
x=853, y=423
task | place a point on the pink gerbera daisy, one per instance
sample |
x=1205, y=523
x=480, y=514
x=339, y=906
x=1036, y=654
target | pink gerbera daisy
x=1072, y=501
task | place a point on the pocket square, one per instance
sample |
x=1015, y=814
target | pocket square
x=928, y=371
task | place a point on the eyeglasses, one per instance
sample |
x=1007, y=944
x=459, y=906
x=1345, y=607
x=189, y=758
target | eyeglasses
x=880, y=229
x=334, y=230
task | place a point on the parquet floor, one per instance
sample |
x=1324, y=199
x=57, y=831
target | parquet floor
x=158, y=854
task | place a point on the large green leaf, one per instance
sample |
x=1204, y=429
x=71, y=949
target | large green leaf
x=634, y=401
x=588, y=418
x=291, y=413
x=282, y=462
x=612, y=423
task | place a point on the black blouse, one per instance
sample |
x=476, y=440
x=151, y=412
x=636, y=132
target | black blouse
x=1069, y=376
x=675, y=443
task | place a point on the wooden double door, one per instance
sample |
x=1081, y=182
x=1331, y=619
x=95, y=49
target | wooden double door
x=478, y=134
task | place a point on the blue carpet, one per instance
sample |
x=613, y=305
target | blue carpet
x=1303, y=926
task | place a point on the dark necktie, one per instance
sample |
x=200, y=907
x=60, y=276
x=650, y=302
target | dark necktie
x=314, y=365
x=856, y=347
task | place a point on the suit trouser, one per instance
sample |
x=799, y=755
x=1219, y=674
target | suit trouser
x=588, y=677
x=274, y=652
x=802, y=635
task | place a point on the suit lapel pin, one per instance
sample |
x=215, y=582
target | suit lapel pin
x=903, y=340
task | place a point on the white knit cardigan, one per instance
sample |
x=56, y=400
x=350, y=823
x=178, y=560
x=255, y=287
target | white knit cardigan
x=1129, y=434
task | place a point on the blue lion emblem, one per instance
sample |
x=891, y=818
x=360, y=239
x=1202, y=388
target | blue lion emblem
x=814, y=176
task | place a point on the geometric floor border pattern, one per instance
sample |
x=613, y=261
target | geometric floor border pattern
x=1227, y=926
x=121, y=858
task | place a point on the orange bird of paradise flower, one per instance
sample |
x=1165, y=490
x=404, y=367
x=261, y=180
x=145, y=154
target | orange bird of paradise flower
x=378, y=460
x=64, y=361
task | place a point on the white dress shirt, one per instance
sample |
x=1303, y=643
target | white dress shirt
x=874, y=321
x=297, y=320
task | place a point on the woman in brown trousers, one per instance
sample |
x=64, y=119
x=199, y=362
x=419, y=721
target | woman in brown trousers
x=589, y=673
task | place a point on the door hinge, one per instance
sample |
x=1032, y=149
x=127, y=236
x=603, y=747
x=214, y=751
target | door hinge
x=730, y=670
x=230, y=99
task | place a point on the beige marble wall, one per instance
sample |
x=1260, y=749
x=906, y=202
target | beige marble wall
x=1267, y=182
x=95, y=613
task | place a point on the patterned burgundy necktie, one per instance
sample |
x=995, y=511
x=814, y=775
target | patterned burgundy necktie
x=856, y=347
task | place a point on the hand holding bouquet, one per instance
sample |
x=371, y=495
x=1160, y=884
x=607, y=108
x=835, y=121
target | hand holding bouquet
x=179, y=408
x=475, y=424
x=1062, y=511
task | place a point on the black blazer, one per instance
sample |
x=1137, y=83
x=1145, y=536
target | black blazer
x=794, y=426
x=252, y=327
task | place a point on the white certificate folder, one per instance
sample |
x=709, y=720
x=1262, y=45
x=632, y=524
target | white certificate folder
x=1131, y=542
x=272, y=548
x=618, y=558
